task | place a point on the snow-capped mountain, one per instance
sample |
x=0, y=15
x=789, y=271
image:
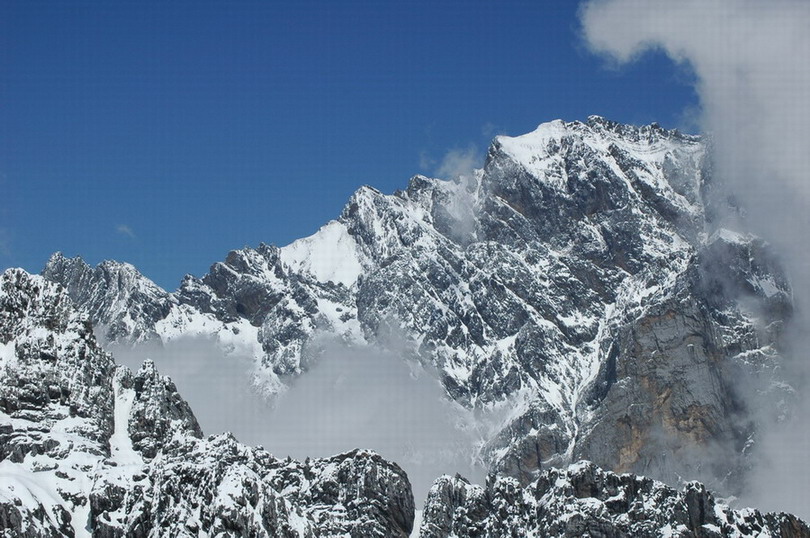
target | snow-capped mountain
x=87, y=448
x=91, y=449
x=120, y=301
x=579, y=284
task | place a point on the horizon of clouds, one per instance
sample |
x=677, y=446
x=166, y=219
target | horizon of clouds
x=751, y=61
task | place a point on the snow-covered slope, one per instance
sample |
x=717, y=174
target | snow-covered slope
x=56, y=408
x=577, y=284
x=330, y=255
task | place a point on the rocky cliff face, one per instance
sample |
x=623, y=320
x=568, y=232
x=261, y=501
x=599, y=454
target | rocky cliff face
x=56, y=403
x=121, y=302
x=584, y=500
x=577, y=283
x=88, y=448
x=223, y=488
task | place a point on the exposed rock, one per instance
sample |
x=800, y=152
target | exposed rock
x=584, y=500
x=158, y=411
x=120, y=301
x=579, y=279
x=223, y=488
x=88, y=446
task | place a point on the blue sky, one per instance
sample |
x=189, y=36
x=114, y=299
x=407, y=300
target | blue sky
x=166, y=134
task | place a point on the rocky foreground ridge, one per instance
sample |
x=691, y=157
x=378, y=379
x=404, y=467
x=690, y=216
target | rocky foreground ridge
x=88, y=448
x=580, y=284
x=584, y=500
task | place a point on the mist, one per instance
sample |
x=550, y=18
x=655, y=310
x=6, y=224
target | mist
x=352, y=397
x=751, y=61
x=458, y=163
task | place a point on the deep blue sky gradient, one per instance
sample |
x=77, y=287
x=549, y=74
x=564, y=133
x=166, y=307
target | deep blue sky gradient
x=207, y=126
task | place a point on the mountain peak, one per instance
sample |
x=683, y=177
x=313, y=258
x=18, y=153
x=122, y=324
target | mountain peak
x=122, y=301
x=569, y=274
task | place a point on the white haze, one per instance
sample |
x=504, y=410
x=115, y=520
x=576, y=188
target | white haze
x=458, y=163
x=354, y=397
x=752, y=65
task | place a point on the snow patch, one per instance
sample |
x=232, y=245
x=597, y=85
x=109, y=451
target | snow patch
x=19, y=486
x=120, y=442
x=330, y=254
x=730, y=236
x=7, y=354
x=417, y=523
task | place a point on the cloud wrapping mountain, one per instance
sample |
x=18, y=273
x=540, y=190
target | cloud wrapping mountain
x=579, y=288
x=750, y=60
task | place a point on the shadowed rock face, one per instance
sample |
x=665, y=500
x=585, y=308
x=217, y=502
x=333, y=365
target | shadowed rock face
x=158, y=411
x=579, y=279
x=584, y=500
x=86, y=445
x=666, y=404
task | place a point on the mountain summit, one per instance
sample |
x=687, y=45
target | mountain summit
x=579, y=284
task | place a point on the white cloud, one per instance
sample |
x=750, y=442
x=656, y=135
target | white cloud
x=353, y=397
x=751, y=59
x=366, y=397
x=123, y=229
x=489, y=130
x=426, y=162
x=459, y=163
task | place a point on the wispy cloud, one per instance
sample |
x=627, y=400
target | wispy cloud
x=489, y=130
x=750, y=58
x=5, y=243
x=123, y=229
x=459, y=162
x=426, y=162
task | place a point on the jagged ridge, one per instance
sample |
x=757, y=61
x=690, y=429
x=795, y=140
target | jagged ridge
x=89, y=448
x=138, y=466
x=576, y=273
x=584, y=500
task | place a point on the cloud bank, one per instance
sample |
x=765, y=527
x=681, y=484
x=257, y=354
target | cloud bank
x=353, y=397
x=751, y=59
x=752, y=62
